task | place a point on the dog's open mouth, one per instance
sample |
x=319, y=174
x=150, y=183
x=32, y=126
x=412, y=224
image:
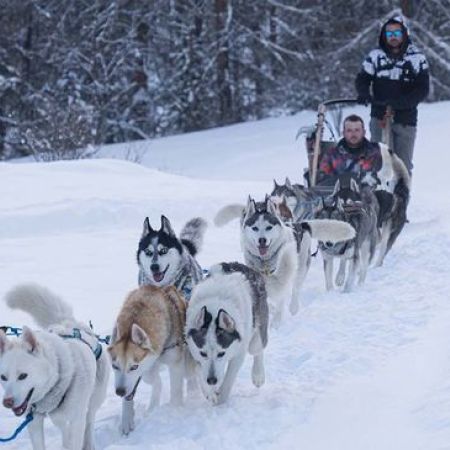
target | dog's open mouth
x=159, y=276
x=130, y=396
x=19, y=410
x=263, y=249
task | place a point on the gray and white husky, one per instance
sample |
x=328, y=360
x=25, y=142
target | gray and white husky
x=227, y=318
x=280, y=252
x=358, y=207
x=303, y=202
x=165, y=260
x=42, y=372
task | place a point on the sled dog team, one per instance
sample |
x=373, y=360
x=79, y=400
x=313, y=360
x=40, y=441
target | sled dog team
x=201, y=328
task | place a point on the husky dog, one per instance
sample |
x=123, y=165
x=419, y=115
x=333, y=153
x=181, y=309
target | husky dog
x=57, y=372
x=148, y=332
x=303, y=202
x=281, y=252
x=226, y=318
x=392, y=194
x=359, y=208
x=165, y=260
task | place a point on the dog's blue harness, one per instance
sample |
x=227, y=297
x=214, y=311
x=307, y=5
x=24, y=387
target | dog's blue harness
x=76, y=334
x=11, y=331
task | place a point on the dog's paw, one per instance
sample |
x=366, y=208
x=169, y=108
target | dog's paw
x=213, y=398
x=258, y=377
x=340, y=278
x=127, y=428
x=127, y=425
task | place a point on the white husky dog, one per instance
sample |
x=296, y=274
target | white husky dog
x=279, y=251
x=42, y=372
x=227, y=317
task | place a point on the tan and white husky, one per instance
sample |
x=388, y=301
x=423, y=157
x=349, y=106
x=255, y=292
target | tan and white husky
x=148, y=332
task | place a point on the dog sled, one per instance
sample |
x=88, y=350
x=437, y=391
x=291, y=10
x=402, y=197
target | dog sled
x=316, y=143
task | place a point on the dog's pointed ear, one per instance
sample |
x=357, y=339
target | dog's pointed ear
x=271, y=207
x=250, y=209
x=140, y=337
x=147, y=228
x=29, y=339
x=288, y=183
x=4, y=343
x=200, y=320
x=354, y=186
x=275, y=184
x=166, y=227
x=115, y=335
x=225, y=321
x=337, y=188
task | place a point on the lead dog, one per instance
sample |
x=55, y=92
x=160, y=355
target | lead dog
x=62, y=377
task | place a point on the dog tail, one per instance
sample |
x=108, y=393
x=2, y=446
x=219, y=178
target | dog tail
x=401, y=171
x=192, y=235
x=330, y=230
x=45, y=307
x=228, y=213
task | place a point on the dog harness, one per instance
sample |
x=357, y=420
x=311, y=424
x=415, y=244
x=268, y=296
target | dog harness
x=76, y=334
x=19, y=429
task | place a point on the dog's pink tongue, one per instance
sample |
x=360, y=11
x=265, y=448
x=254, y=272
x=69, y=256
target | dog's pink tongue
x=262, y=250
x=20, y=409
x=158, y=276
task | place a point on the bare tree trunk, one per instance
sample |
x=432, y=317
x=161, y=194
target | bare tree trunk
x=223, y=62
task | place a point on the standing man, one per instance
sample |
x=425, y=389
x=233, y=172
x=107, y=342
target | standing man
x=398, y=74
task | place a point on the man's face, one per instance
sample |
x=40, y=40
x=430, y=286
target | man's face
x=354, y=133
x=394, y=35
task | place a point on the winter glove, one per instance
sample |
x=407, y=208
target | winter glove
x=364, y=99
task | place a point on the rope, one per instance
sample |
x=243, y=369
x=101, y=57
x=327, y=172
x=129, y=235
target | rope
x=27, y=420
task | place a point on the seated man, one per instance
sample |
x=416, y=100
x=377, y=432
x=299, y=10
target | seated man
x=353, y=155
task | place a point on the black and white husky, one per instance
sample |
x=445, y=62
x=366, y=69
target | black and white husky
x=227, y=318
x=164, y=259
x=392, y=192
x=280, y=252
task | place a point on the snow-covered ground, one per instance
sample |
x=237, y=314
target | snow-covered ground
x=366, y=370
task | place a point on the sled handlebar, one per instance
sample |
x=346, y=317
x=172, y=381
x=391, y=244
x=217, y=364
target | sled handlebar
x=335, y=101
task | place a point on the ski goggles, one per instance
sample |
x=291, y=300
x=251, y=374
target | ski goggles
x=395, y=33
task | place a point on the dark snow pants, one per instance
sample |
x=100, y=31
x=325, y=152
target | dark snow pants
x=403, y=138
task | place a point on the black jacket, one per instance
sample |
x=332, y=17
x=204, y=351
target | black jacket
x=402, y=80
